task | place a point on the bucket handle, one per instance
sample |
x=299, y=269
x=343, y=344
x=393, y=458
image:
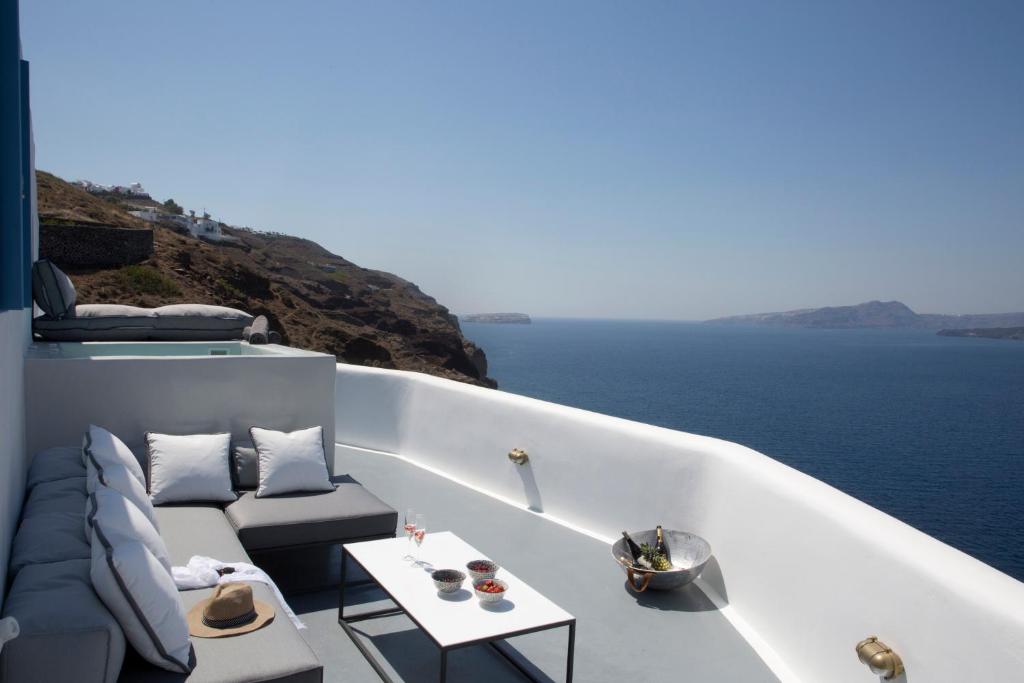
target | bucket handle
x=641, y=585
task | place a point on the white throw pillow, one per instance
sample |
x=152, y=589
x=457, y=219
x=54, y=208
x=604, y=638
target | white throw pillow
x=121, y=480
x=106, y=449
x=290, y=462
x=142, y=596
x=122, y=521
x=189, y=469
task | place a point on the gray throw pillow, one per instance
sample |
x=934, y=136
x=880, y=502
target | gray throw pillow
x=52, y=290
x=245, y=468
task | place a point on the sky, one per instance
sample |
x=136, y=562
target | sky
x=666, y=160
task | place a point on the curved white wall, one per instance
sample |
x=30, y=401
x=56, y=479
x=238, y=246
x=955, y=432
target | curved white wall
x=811, y=570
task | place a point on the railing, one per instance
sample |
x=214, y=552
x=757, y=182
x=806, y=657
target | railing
x=807, y=570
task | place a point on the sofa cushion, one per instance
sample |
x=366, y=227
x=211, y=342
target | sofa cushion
x=291, y=462
x=49, y=537
x=189, y=469
x=274, y=653
x=179, y=322
x=198, y=530
x=52, y=290
x=141, y=595
x=62, y=495
x=104, y=449
x=202, y=318
x=59, y=462
x=122, y=521
x=67, y=634
x=120, y=479
x=347, y=512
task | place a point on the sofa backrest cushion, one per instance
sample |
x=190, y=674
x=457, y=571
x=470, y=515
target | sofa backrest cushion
x=189, y=469
x=123, y=521
x=104, y=449
x=58, y=462
x=53, y=290
x=48, y=537
x=142, y=596
x=67, y=634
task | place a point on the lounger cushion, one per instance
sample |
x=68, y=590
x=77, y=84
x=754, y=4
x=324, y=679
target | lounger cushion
x=52, y=290
x=49, y=537
x=67, y=634
x=275, y=653
x=111, y=322
x=291, y=462
x=199, y=530
x=53, y=464
x=122, y=521
x=347, y=512
x=142, y=596
x=119, y=478
x=104, y=449
x=189, y=469
x=63, y=495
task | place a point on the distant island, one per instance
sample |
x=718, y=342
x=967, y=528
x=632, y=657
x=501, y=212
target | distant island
x=498, y=318
x=987, y=332
x=876, y=314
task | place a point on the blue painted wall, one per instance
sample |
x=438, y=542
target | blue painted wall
x=15, y=165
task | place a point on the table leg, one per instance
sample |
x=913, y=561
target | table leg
x=571, y=656
x=341, y=586
x=444, y=666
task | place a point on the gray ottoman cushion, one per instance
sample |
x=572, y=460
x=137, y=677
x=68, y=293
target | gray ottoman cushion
x=59, y=462
x=111, y=322
x=276, y=652
x=347, y=512
x=198, y=530
x=67, y=634
x=49, y=537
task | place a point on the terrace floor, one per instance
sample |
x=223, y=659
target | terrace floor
x=620, y=636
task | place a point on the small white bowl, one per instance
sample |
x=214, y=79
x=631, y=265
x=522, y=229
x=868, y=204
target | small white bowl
x=480, y=575
x=490, y=597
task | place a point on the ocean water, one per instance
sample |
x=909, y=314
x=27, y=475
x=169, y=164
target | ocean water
x=928, y=429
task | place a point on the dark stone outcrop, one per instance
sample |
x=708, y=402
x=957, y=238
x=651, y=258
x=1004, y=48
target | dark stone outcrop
x=94, y=246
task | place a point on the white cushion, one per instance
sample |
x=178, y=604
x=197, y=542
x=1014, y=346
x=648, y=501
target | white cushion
x=120, y=479
x=290, y=462
x=193, y=468
x=106, y=449
x=123, y=521
x=142, y=596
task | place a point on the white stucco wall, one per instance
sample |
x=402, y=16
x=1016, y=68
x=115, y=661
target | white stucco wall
x=805, y=570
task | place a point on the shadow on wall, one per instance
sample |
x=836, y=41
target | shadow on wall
x=530, y=489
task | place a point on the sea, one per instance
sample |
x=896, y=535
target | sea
x=928, y=429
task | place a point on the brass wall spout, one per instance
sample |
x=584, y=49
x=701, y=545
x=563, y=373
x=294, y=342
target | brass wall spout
x=879, y=657
x=518, y=456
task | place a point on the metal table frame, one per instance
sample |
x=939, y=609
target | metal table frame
x=345, y=623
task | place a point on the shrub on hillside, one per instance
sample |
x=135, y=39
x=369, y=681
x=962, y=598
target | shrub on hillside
x=147, y=280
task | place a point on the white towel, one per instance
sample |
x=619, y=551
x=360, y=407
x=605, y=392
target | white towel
x=201, y=572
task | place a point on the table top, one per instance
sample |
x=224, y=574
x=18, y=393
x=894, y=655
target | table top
x=456, y=618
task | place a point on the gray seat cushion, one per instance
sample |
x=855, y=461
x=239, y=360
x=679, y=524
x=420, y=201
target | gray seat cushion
x=67, y=634
x=49, y=537
x=62, y=495
x=348, y=512
x=59, y=462
x=198, y=530
x=276, y=652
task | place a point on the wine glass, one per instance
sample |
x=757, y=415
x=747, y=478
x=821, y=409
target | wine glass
x=419, y=532
x=410, y=526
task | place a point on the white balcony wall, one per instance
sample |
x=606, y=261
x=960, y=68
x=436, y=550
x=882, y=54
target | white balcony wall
x=807, y=569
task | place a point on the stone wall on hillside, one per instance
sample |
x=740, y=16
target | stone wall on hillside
x=94, y=246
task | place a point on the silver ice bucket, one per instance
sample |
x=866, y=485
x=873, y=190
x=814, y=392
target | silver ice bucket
x=689, y=554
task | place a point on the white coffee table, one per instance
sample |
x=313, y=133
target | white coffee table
x=450, y=621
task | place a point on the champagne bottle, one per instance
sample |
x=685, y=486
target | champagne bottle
x=634, y=550
x=661, y=547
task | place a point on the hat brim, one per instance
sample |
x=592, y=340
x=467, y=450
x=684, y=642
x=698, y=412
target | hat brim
x=196, y=627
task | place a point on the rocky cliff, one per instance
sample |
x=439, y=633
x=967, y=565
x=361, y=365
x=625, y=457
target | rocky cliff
x=316, y=299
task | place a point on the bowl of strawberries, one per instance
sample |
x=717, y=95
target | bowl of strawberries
x=490, y=590
x=482, y=569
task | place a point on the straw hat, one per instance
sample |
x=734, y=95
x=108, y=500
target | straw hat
x=230, y=611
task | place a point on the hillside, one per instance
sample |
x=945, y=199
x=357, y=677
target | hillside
x=318, y=300
x=874, y=314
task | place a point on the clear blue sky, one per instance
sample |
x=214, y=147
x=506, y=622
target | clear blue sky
x=602, y=159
